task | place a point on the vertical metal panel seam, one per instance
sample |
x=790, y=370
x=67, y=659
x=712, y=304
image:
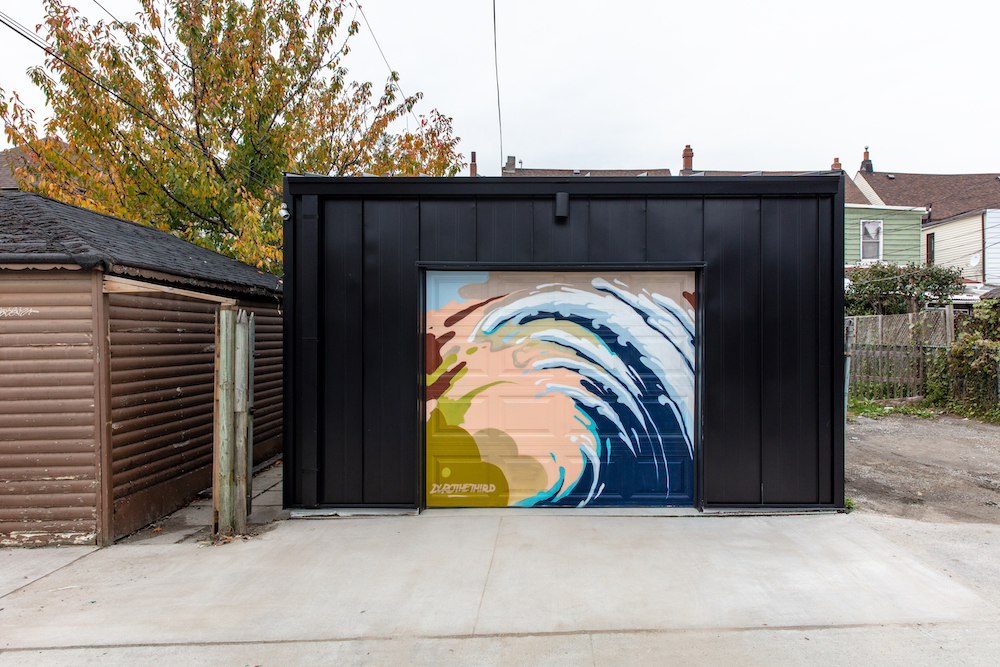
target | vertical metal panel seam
x=701, y=335
x=419, y=343
x=837, y=369
x=290, y=417
x=760, y=342
x=321, y=305
x=818, y=426
x=364, y=344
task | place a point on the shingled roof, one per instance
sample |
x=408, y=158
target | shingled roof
x=948, y=195
x=38, y=230
x=853, y=194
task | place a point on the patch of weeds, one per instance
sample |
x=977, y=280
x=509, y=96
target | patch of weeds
x=874, y=410
x=914, y=410
x=866, y=408
x=849, y=505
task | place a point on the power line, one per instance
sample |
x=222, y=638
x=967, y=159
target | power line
x=386, y=61
x=32, y=38
x=113, y=17
x=496, y=69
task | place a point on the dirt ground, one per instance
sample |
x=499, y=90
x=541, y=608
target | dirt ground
x=941, y=470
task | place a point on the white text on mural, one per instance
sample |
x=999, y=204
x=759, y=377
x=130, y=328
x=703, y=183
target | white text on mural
x=462, y=488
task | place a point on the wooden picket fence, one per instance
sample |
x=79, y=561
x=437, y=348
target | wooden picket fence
x=887, y=371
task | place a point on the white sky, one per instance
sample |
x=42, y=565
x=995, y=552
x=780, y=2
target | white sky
x=755, y=86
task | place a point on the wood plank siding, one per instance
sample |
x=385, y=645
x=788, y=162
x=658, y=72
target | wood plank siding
x=956, y=243
x=162, y=384
x=901, y=242
x=48, y=486
x=267, y=379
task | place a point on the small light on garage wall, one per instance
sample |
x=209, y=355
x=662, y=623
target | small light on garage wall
x=562, y=206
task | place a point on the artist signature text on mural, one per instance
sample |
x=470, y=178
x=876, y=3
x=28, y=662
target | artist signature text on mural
x=449, y=489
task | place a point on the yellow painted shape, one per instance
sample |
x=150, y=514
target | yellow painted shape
x=440, y=370
x=454, y=409
x=470, y=481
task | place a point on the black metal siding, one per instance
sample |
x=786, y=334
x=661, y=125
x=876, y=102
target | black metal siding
x=675, y=230
x=447, y=231
x=732, y=339
x=769, y=251
x=617, y=230
x=504, y=230
x=391, y=348
x=789, y=351
x=341, y=364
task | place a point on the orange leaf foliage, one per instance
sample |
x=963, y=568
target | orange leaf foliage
x=199, y=108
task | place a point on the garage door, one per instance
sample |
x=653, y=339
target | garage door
x=560, y=388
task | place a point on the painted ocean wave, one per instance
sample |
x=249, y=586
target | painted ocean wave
x=634, y=354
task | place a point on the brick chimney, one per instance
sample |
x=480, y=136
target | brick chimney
x=866, y=164
x=472, y=165
x=509, y=167
x=688, y=157
x=833, y=167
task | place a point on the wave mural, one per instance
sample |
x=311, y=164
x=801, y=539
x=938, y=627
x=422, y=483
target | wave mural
x=570, y=388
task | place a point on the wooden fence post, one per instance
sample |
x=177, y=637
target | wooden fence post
x=240, y=470
x=949, y=324
x=222, y=488
x=848, y=339
x=251, y=338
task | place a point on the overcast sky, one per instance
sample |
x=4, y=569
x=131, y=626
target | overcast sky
x=754, y=86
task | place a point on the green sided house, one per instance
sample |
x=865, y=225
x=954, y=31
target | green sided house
x=961, y=216
x=874, y=231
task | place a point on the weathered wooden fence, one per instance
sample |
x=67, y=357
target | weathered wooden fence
x=928, y=327
x=880, y=372
x=887, y=371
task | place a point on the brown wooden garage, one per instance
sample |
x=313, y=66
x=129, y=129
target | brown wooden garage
x=107, y=362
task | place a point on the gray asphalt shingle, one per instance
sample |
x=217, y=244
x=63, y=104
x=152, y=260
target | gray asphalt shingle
x=36, y=229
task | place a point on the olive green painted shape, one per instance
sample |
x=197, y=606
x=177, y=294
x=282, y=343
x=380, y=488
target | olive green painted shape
x=457, y=476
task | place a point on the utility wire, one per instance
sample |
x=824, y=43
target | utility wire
x=26, y=34
x=386, y=61
x=496, y=70
x=113, y=17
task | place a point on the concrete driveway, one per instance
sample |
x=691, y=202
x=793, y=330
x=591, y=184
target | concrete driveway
x=517, y=587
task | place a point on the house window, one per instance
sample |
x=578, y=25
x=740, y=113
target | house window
x=871, y=240
x=930, y=249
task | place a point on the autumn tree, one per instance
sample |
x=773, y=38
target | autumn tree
x=187, y=118
x=882, y=288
